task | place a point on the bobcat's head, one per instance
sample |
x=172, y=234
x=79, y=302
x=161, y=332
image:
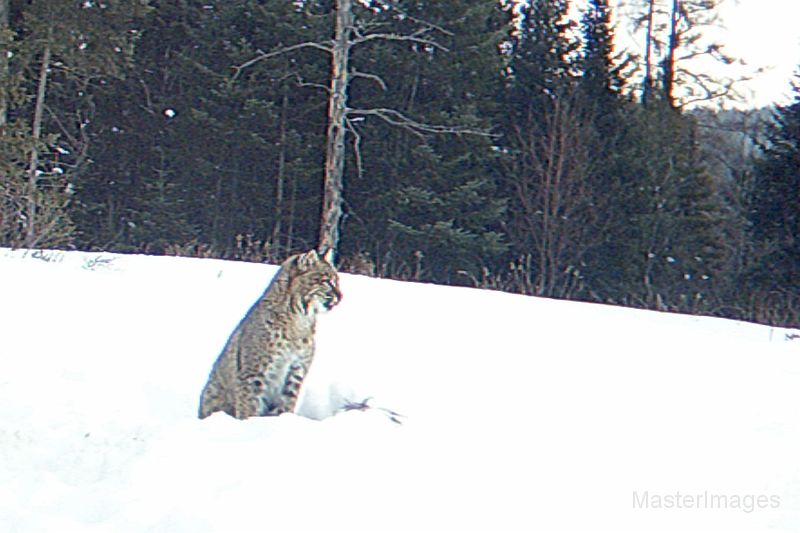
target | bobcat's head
x=313, y=282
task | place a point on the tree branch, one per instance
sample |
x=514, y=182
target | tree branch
x=373, y=77
x=396, y=118
x=711, y=89
x=395, y=37
x=395, y=7
x=303, y=83
x=285, y=50
x=356, y=145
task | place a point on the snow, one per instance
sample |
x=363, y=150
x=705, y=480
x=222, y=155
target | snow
x=517, y=413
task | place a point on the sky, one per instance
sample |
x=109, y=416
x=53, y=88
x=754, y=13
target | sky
x=765, y=34
x=762, y=33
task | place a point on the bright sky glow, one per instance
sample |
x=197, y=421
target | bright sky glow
x=764, y=33
x=761, y=33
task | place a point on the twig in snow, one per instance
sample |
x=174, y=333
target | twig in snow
x=363, y=405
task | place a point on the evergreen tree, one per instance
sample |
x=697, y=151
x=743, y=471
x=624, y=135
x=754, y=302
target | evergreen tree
x=59, y=57
x=775, y=205
x=546, y=152
x=424, y=204
x=608, y=132
x=673, y=242
x=601, y=75
x=223, y=154
x=541, y=62
x=659, y=212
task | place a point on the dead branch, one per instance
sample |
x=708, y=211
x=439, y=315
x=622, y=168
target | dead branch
x=364, y=405
x=710, y=89
x=285, y=50
x=394, y=6
x=377, y=79
x=356, y=145
x=360, y=39
x=396, y=118
x=302, y=83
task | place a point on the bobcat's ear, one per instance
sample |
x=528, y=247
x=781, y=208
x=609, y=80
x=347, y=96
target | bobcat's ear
x=328, y=256
x=307, y=260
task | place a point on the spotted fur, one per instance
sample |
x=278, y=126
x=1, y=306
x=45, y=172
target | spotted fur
x=263, y=364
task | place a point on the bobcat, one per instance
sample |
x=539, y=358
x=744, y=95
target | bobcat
x=261, y=368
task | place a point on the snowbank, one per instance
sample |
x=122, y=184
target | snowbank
x=517, y=413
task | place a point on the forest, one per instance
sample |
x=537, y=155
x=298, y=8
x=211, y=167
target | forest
x=488, y=143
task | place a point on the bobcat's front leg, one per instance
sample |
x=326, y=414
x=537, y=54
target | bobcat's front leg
x=291, y=388
x=252, y=398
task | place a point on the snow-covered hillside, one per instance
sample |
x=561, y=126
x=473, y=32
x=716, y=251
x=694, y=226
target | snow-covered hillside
x=517, y=413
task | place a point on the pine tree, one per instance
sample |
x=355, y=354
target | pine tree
x=609, y=135
x=60, y=56
x=601, y=75
x=540, y=64
x=775, y=205
x=424, y=203
x=546, y=153
x=131, y=198
x=672, y=245
x=223, y=153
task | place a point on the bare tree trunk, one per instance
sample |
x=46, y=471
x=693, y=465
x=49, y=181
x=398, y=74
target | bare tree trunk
x=230, y=220
x=281, y=182
x=216, y=220
x=346, y=37
x=41, y=93
x=669, y=60
x=3, y=63
x=648, y=56
x=290, y=215
x=337, y=114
